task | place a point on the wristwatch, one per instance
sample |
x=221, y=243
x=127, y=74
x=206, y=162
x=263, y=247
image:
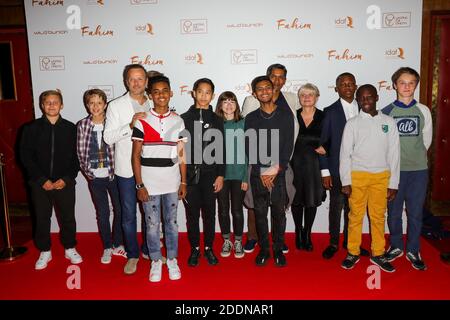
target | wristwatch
x=140, y=186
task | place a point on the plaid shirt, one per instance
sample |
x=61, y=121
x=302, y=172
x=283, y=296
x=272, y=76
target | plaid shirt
x=84, y=132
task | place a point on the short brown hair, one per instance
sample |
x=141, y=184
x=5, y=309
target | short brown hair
x=403, y=70
x=92, y=92
x=47, y=93
x=228, y=95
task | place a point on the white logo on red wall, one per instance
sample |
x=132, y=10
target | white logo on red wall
x=51, y=63
x=244, y=56
x=108, y=89
x=194, y=26
x=396, y=19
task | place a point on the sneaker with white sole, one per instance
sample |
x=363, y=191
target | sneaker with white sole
x=393, y=253
x=156, y=271
x=119, y=251
x=226, y=248
x=238, y=249
x=44, y=258
x=174, y=270
x=107, y=255
x=73, y=256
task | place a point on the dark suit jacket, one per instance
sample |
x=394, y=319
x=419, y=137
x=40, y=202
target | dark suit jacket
x=332, y=128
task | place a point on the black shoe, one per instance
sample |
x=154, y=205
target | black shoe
x=416, y=261
x=299, y=238
x=329, y=252
x=193, y=258
x=307, y=241
x=261, y=258
x=349, y=261
x=212, y=259
x=445, y=257
x=383, y=263
x=285, y=248
x=280, y=259
x=362, y=252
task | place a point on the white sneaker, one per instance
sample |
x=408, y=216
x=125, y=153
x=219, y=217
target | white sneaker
x=107, y=255
x=155, y=271
x=174, y=270
x=73, y=256
x=119, y=251
x=44, y=258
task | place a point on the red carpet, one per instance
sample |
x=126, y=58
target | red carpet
x=307, y=276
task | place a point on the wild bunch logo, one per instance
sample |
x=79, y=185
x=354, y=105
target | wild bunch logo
x=246, y=56
x=295, y=24
x=398, y=53
x=396, y=19
x=146, y=61
x=51, y=63
x=344, y=22
x=383, y=85
x=144, y=29
x=97, y=32
x=50, y=32
x=295, y=56
x=98, y=61
x=194, y=26
x=47, y=3
x=194, y=58
x=346, y=55
x=245, y=25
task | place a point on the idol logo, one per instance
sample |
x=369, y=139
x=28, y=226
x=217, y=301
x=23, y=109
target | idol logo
x=146, y=61
x=139, y=2
x=98, y=32
x=144, y=29
x=346, y=55
x=246, y=56
x=47, y=3
x=397, y=20
x=108, y=89
x=294, y=24
x=194, y=26
x=344, y=22
x=51, y=63
x=395, y=53
x=195, y=58
x=408, y=126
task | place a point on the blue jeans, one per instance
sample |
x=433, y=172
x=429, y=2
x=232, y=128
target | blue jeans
x=128, y=202
x=411, y=191
x=152, y=209
x=100, y=187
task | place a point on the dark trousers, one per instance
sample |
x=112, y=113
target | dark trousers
x=231, y=189
x=64, y=202
x=309, y=215
x=338, y=201
x=277, y=200
x=201, y=197
x=100, y=188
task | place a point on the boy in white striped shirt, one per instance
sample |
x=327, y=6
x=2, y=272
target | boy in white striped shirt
x=369, y=169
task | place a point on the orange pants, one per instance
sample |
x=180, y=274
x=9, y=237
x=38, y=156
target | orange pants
x=369, y=191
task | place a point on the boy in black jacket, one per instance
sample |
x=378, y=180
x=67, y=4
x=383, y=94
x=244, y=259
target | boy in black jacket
x=205, y=155
x=48, y=153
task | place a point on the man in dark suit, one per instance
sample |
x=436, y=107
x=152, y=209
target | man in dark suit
x=335, y=118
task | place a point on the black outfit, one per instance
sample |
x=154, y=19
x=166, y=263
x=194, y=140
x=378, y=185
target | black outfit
x=48, y=152
x=280, y=120
x=201, y=175
x=307, y=178
x=233, y=188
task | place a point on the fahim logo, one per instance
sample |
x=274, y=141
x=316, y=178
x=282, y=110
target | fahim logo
x=146, y=61
x=243, y=88
x=98, y=32
x=383, y=85
x=395, y=53
x=108, y=89
x=51, y=63
x=346, y=55
x=247, y=56
x=47, y=3
x=396, y=19
x=293, y=85
x=343, y=22
x=139, y=2
x=184, y=89
x=294, y=24
x=194, y=26
x=194, y=58
x=144, y=29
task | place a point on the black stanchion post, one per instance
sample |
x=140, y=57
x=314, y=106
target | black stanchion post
x=9, y=253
